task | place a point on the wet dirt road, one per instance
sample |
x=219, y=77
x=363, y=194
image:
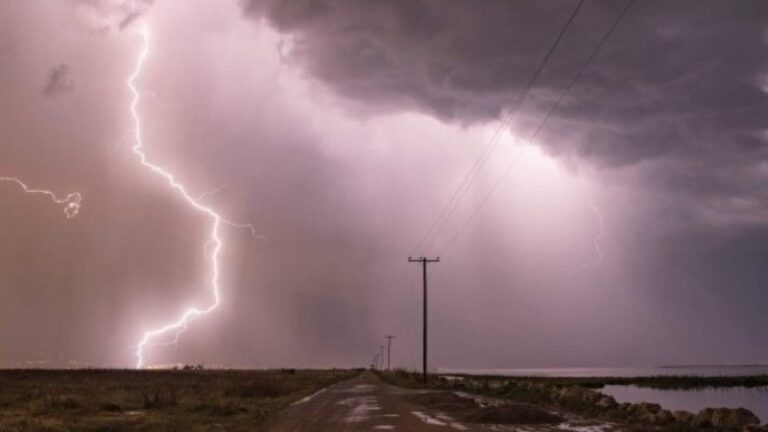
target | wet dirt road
x=364, y=403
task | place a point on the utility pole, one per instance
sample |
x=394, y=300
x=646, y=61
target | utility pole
x=381, y=357
x=424, y=261
x=389, y=351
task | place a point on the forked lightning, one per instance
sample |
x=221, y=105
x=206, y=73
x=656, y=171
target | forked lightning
x=213, y=247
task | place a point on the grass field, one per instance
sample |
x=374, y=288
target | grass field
x=168, y=401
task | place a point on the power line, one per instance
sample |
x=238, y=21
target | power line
x=444, y=216
x=488, y=151
x=546, y=118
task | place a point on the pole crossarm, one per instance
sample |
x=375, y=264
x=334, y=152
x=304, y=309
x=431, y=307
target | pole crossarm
x=424, y=260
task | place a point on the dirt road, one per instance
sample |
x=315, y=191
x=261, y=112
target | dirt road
x=363, y=403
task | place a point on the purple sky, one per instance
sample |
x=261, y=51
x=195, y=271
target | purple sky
x=341, y=130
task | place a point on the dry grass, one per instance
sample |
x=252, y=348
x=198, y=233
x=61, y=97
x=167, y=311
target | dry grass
x=168, y=401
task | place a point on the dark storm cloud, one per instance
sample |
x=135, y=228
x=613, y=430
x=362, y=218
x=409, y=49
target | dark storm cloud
x=59, y=81
x=678, y=82
x=451, y=59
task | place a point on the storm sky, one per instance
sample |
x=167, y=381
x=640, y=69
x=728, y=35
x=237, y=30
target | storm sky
x=631, y=230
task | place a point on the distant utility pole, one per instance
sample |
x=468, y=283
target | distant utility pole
x=381, y=351
x=424, y=261
x=389, y=351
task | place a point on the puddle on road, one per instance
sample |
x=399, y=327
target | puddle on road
x=308, y=398
x=439, y=420
x=361, y=408
x=563, y=427
x=590, y=428
x=359, y=388
x=428, y=419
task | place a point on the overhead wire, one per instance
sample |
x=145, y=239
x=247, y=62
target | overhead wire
x=576, y=77
x=441, y=222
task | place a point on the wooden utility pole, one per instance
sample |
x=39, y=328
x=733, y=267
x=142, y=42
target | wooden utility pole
x=424, y=261
x=381, y=357
x=389, y=351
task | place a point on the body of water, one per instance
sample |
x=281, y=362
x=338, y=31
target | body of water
x=754, y=399
x=619, y=372
x=693, y=400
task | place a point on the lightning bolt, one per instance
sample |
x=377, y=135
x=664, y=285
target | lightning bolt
x=71, y=202
x=212, y=248
x=598, y=259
